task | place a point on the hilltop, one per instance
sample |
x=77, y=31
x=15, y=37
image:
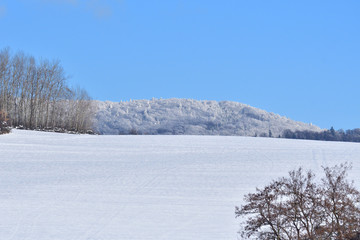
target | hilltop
x=190, y=117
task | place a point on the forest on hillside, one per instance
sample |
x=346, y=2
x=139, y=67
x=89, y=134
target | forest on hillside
x=350, y=135
x=190, y=117
x=194, y=117
x=34, y=94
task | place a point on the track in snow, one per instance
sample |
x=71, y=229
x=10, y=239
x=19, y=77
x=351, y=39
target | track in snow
x=76, y=187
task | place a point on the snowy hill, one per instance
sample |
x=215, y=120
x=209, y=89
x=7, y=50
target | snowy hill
x=190, y=117
x=82, y=187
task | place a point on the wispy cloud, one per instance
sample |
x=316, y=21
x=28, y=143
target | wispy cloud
x=99, y=8
x=71, y=2
x=2, y=11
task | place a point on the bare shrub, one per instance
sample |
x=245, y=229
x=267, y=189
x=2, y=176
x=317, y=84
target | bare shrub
x=297, y=207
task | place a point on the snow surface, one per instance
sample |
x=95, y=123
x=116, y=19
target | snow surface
x=77, y=187
x=190, y=117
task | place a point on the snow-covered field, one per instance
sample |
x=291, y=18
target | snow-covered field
x=76, y=187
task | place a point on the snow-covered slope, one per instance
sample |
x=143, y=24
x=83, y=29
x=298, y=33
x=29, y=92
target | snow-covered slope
x=190, y=117
x=77, y=187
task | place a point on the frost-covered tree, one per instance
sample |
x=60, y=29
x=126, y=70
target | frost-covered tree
x=190, y=117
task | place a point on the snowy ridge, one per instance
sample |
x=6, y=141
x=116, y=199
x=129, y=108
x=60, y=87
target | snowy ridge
x=190, y=117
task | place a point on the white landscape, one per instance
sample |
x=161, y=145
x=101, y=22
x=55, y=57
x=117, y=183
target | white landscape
x=177, y=116
x=81, y=187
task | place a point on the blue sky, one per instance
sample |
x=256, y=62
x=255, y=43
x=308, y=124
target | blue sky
x=300, y=59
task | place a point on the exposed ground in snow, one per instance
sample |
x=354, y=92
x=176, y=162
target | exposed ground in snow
x=76, y=187
x=190, y=117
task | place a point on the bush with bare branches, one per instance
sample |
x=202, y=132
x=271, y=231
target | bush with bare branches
x=297, y=207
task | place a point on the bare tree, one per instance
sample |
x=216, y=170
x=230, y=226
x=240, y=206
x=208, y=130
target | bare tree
x=340, y=202
x=36, y=95
x=296, y=207
x=4, y=120
x=4, y=78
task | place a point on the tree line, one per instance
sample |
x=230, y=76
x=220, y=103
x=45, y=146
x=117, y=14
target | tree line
x=351, y=135
x=34, y=94
x=3, y=123
x=298, y=207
